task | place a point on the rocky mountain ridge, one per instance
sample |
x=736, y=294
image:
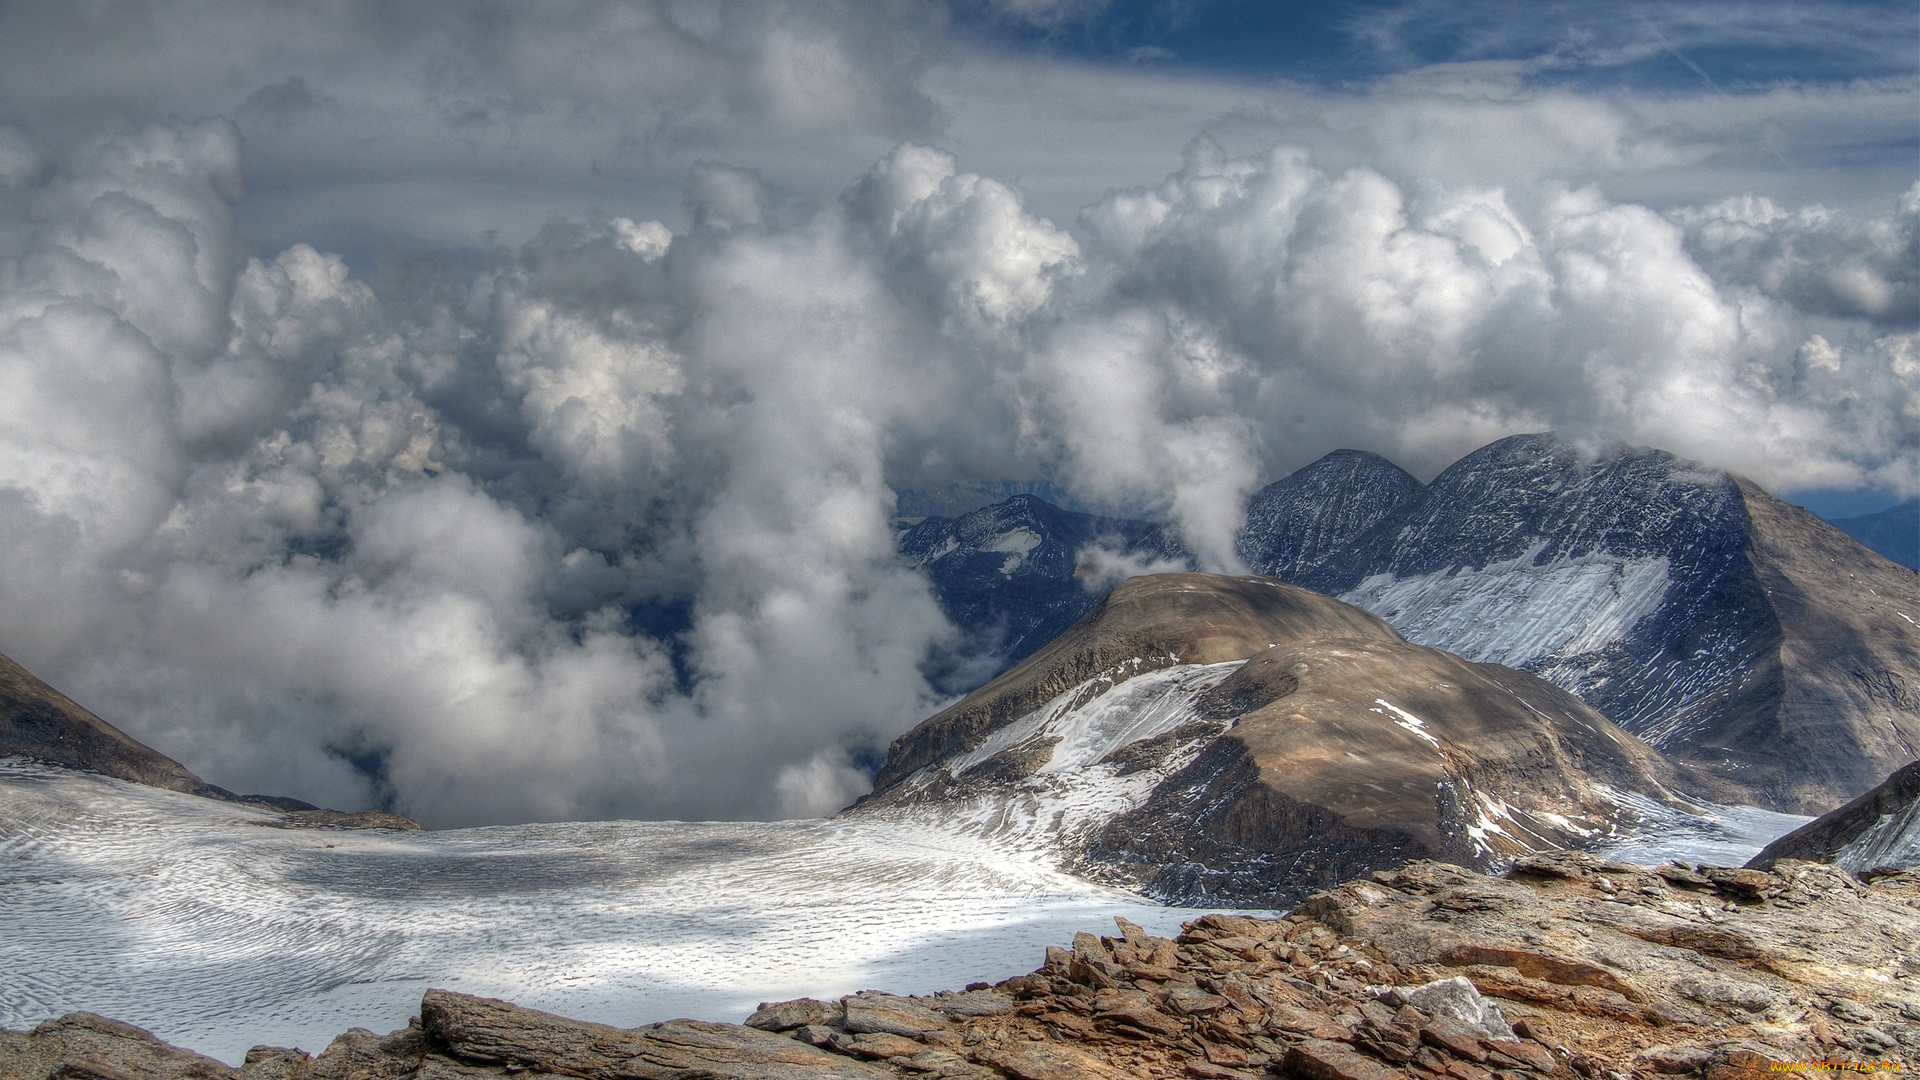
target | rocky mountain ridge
x=1566, y=966
x=1727, y=628
x=1211, y=739
x=39, y=722
x=1878, y=829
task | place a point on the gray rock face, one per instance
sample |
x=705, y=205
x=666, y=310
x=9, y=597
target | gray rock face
x=1455, y=999
x=1728, y=629
x=1296, y=523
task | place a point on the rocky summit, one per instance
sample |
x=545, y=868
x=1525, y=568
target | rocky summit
x=1565, y=966
x=1730, y=630
x=1212, y=739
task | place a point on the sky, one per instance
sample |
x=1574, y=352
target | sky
x=497, y=412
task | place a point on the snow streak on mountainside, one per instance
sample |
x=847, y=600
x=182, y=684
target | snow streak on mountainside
x=1515, y=612
x=1525, y=528
x=1013, y=576
x=186, y=916
x=1049, y=782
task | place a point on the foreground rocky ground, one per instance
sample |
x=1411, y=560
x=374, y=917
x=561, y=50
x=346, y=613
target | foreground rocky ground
x=1564, y=966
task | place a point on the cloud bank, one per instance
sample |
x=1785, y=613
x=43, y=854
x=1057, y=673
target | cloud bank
x=599, y=524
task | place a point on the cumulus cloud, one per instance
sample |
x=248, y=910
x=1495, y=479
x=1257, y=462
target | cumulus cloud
x=599, y=522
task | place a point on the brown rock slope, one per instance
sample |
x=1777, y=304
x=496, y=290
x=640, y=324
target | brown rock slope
x=1565, y=967
x=38, y=721
x=1145, y=624
x=1354, y=754
x=1338, y=747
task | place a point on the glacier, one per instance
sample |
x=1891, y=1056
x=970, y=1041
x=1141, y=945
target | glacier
x=192, y=919
x=197, y=920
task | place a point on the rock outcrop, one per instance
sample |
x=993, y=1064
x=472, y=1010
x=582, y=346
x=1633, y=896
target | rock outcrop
x=1878, y=829
x=1214, y=739
x=1564, y=967
x=38, y=721
x=1295, y=523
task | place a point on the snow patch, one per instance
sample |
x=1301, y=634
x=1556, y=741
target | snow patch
x=1138, y=708
x=1017, y=543
x=1514, y=612
x=1407, y=720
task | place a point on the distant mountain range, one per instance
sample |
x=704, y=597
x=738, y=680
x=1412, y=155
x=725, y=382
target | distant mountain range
x=1893, y=532
x=1013, y=576
x=1531, y=652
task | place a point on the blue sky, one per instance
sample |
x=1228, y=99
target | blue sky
x=1634, y=47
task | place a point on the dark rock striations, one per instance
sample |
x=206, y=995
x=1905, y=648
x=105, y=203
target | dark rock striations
x=1564, y=967
x=1295, y=523
x=1730, y=630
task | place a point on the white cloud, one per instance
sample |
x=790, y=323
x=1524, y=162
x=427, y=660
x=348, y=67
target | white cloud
x=596, y=520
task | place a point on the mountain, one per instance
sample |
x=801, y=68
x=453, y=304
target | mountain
x=1294, y=523
x=1893, y=532
x=1730, y=630
x=1878, y=829
x=39, y=722
x=1014, y=575
x=1236, y=739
